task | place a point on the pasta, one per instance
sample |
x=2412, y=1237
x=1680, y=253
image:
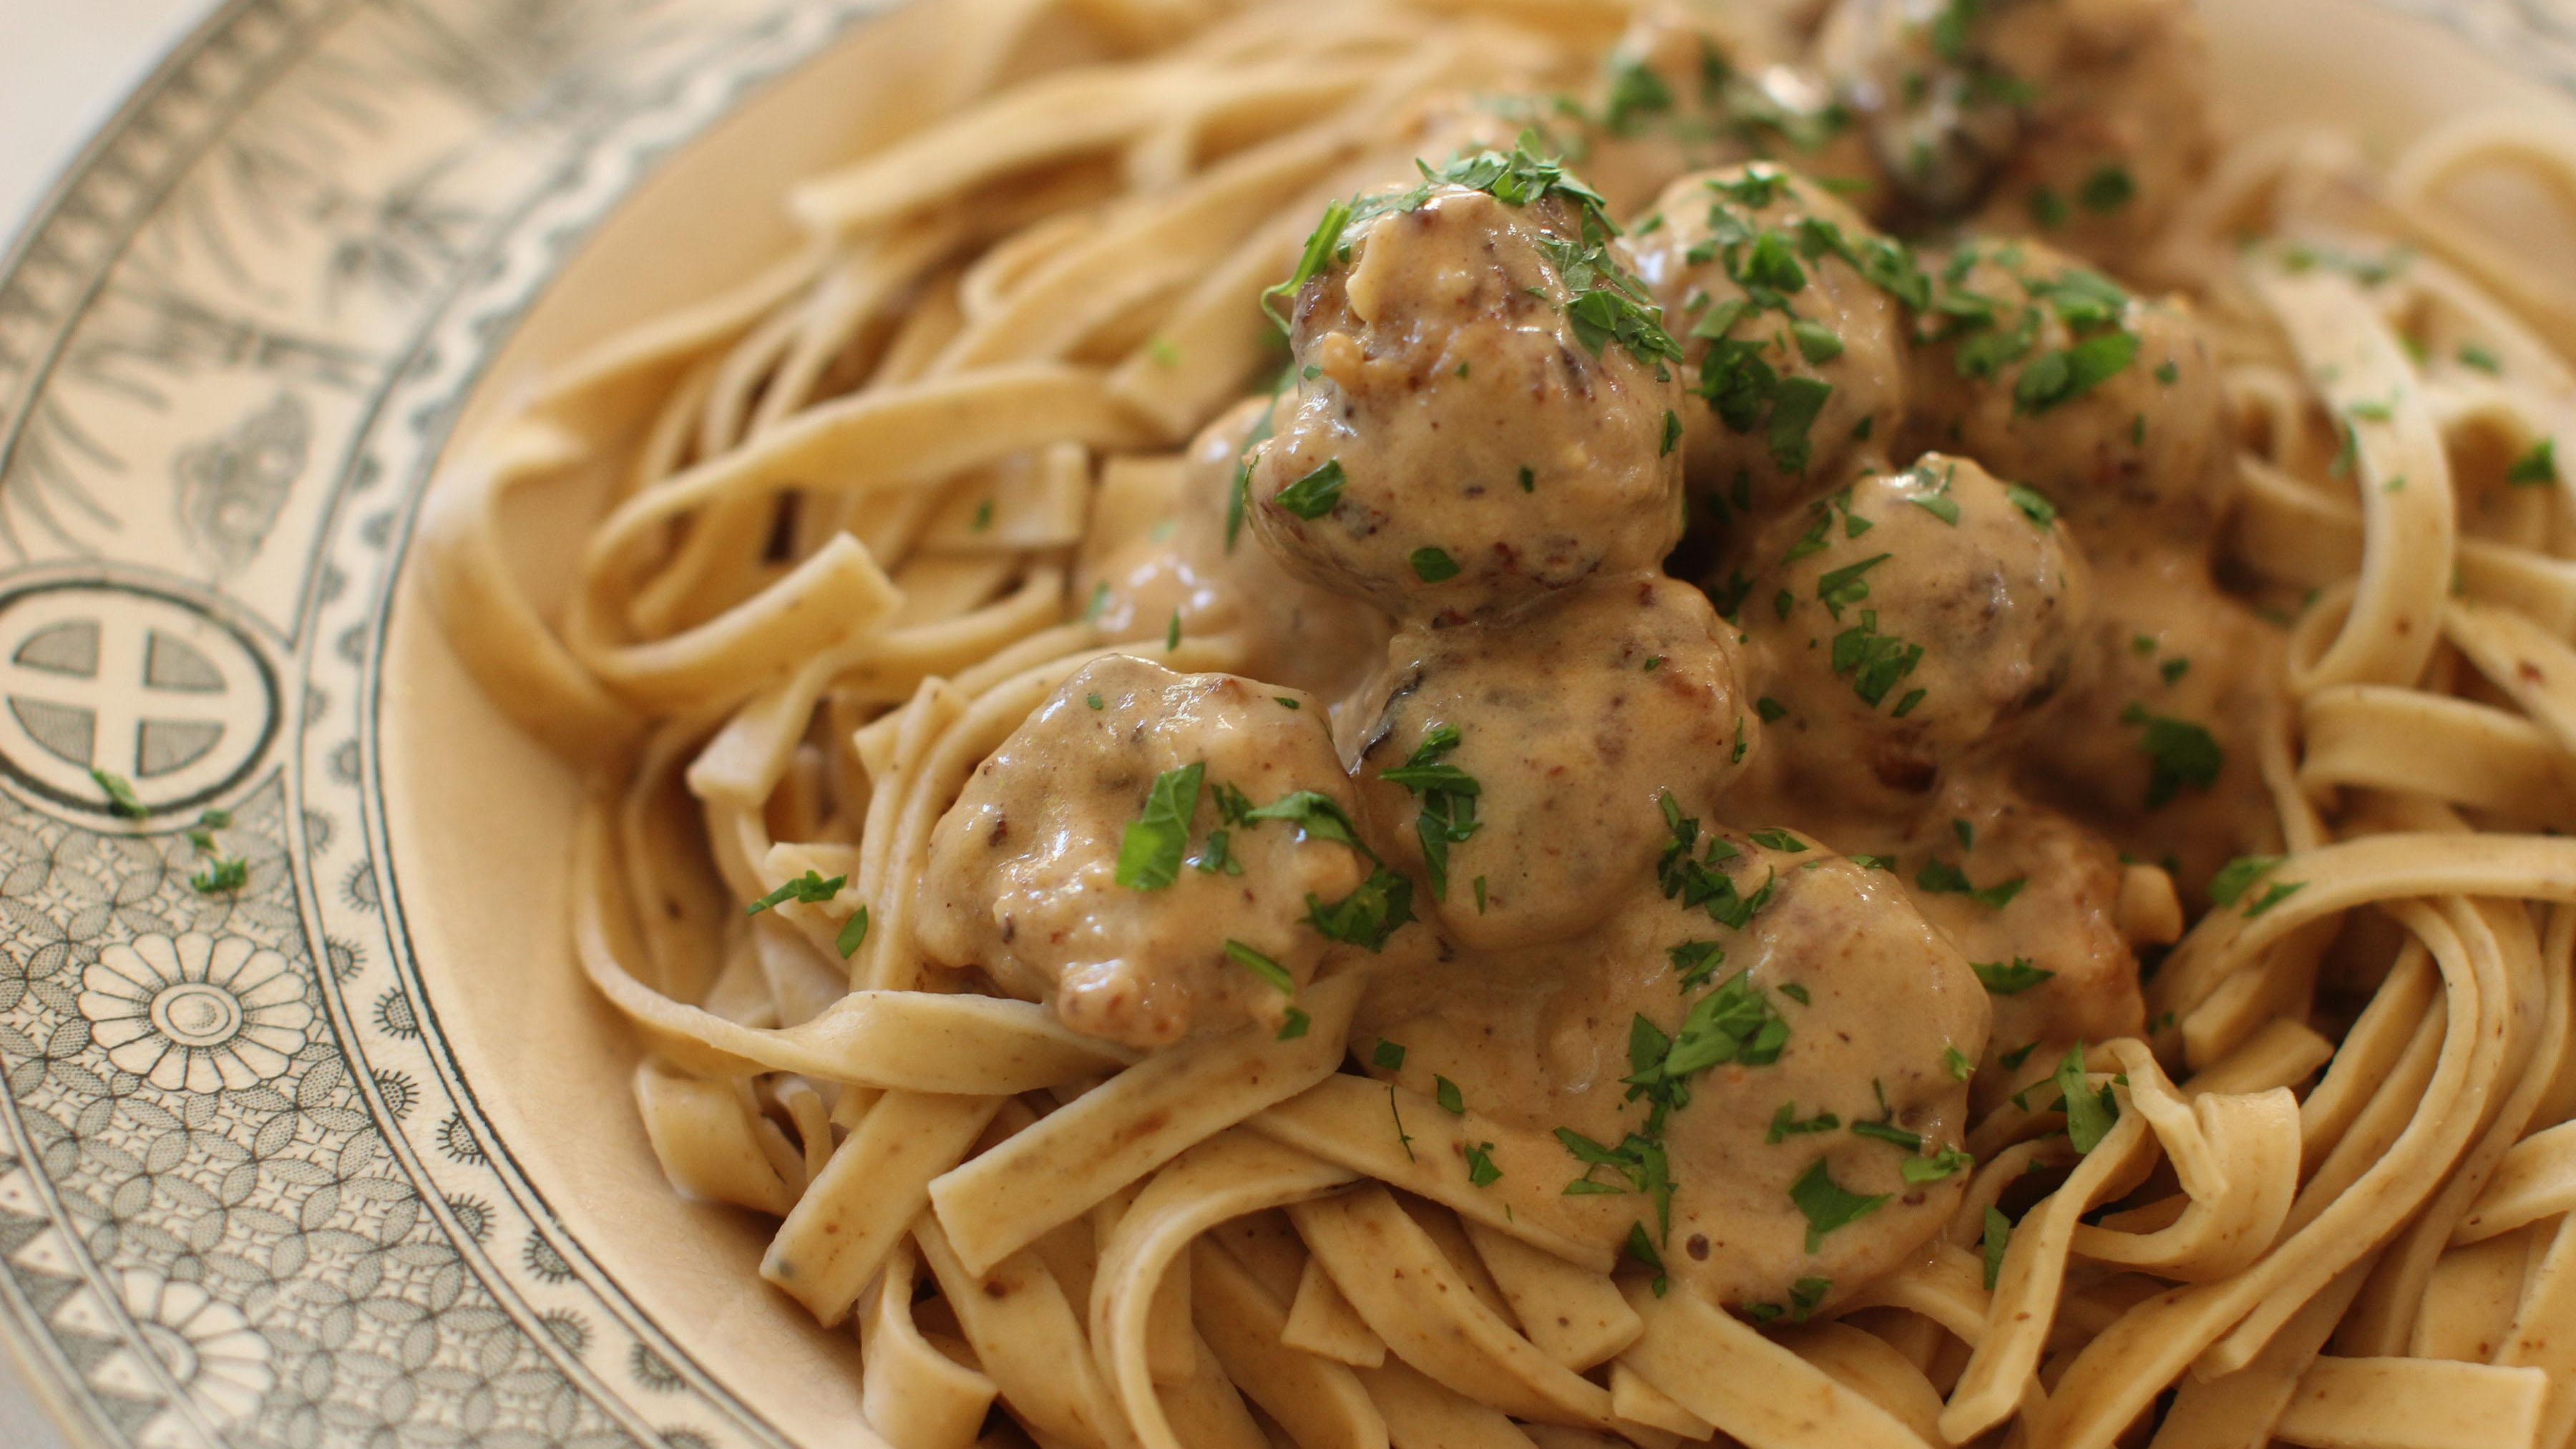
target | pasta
x=1193, y=915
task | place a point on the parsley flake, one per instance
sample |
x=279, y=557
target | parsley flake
x=1149, y=856
x=2010, y=978
x=1261, y=966
x=120, y=794
x=810, y=889
x=1827, y=1205
x=2179, y=753
x=1316, y=494
x=2537, y=468
x=2090, y=1113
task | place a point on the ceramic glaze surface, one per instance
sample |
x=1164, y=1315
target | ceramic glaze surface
x=343, y=1158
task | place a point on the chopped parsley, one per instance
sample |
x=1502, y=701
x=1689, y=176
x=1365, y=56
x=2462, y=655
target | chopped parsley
x=1828, y=1206
x=1481, y=1171
x=1387, y=1055
x=2032, y=505
x=1452, y=1101
x=1778, y=840
x=1998, y=1237
x=1805, y=1296
x=1641, y=1248
x=1149, y=857
x=1696, y=961
x=1234, y=500
x=1697, y=883
x=1817, y=343
x=120, y=794
x=1734, y=1023
x=2108, y=189
x=2090, y=1113
x=2179, y=753
x=1846, y=586
x=1890, y=1134
x=1434, y=566
x=1261, y=966
x=2537, y=468
x=1672, y=433
x=2054, y=379
x=1956, y=1063
x=1947, y=1163
x=1315, y=815
x=810, y=889
x=2048, y=210
x=1367, y=916
x=221, y=877
x=1771, y=710
x=1636, y=92
x=1321, y=244
x=2279, y=891
x=2010, y=978
x=1314, y=495
x=2481, y=358
x=1940, y=878
x=1294, y=1025
x=1876, y=662
x=2238, y=876
x=1786, y=1123
x=1172, y=634
x=1448, y=796
x=1218, y=857
x=854, y=934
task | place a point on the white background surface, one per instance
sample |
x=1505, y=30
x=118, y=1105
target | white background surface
x=64, y=66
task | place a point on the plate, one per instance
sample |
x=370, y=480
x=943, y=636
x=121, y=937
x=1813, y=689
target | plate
x=347, y=1157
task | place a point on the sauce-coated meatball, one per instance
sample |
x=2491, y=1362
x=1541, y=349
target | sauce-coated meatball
x=1203, y=566
x=1569, y=727
x=2159, y=742
x=1832, y=1007
x=2032, y=900
x=1476, y=433
x=1798, y=360
x=1699, y=83
x=2087, y=120
x=1908, y=624
x=1081, y=865
x=2054, y=376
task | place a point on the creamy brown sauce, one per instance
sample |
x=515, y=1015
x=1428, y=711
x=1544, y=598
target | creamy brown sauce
x=1885, y=779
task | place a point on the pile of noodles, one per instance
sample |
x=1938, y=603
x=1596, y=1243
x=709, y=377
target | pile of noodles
x=789, y=642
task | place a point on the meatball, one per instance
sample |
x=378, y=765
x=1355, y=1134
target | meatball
x=1799, y=360
x=2089, y=119
x=1699, y=83
x=2032, y=899
x=1203, y=567
x=1486, y=411
x=1110, y=856
x=1523, y=768
x=2159, y=741
x=1821, y=1044
x=1908, y=624
x=2055, y=377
